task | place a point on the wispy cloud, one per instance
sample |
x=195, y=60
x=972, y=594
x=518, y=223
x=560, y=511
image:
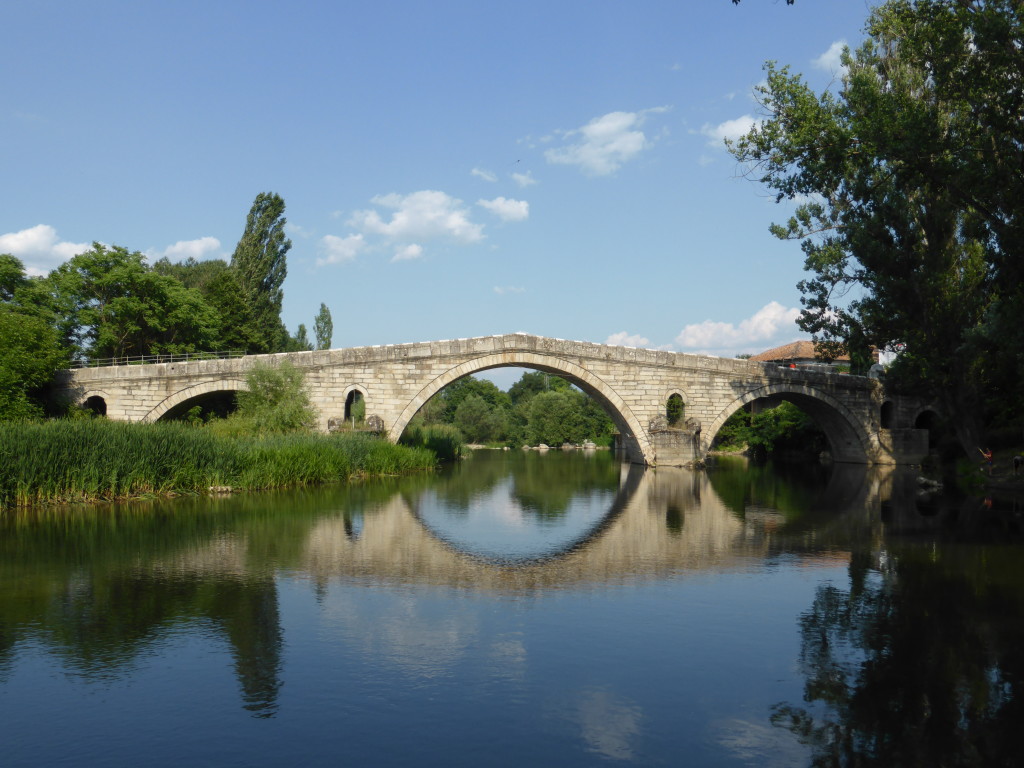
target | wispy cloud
x=424, y=215
x=408, y=252
x=506, y=209
x=626, y=339
x=486, y=175
x=501, y=290
x=730, y=130
x=770, y=323
x=336, y=250
x=524, y=179
x=831, y=60
x=603, y=145
x=192, y=249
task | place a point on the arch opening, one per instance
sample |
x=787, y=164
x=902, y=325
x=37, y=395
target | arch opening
x=675, y=409
x=930, y=421
x=96, y=405
x=841, y=438
x=539, y=408
x=632, y=441
x=355, y=407
x=887, y=416
x=203, y=407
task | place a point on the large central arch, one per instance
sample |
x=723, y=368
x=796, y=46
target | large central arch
x=849, y=440
x=634, y=438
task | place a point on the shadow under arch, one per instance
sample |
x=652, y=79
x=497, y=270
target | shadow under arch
x=635, y=441
x=627, y=489
x=197, y=391
x=847, y=439
x=94, y=400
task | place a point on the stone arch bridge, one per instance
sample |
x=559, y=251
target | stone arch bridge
x=863, y=423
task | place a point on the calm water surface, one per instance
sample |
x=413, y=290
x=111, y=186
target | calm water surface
x=557, y=609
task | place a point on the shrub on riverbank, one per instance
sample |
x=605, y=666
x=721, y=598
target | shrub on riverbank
x=84, y=460
x=444, y=440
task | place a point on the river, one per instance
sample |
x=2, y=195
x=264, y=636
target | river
x=521, y=609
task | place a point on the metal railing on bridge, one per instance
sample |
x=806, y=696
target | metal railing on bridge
x=100, y=362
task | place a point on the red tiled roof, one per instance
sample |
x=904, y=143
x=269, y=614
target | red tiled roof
x=797, y=350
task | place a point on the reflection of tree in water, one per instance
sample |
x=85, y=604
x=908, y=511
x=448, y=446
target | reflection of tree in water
x=789, y=488
x=543, y=484
x=920, y=663
x=99, y=629
x=84, y=595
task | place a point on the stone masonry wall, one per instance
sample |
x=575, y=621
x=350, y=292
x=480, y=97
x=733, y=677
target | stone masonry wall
x=633, y=385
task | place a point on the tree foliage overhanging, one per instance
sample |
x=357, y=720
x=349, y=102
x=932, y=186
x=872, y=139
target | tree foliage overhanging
x=910, y=185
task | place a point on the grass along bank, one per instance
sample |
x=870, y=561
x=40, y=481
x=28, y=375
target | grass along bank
x=95, y=459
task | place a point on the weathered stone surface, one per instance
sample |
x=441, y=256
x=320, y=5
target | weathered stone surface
x=632, y=384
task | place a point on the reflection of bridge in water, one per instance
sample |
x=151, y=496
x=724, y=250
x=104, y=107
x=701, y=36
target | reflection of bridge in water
x=662, y=522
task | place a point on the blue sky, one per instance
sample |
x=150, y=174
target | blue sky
x=450, y=169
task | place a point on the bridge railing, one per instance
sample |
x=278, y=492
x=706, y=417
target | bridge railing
x=100, y=362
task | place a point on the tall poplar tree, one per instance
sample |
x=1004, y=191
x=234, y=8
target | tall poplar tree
x=323, y=328
x=260, y=262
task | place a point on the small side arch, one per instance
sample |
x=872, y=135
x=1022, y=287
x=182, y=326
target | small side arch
x=635, y=439
x=675, y=407
x=847, y=436
x=96, y=401
x=352, y=395
x=196, y=390
x=887, y=415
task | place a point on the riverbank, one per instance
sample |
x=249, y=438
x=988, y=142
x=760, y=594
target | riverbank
x=98, y=460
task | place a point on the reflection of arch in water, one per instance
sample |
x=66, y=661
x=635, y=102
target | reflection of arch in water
x=846, y=436
x=634, y=437
x=631, y=544
x=625, y=493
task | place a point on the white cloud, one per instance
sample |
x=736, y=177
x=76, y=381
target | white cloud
x=194, y=249
x=605, y=143
x=506, y=209
x=625, y=339
x=730, y=129
x=503, y=289
x=524, y=179
x=296, y=230
x=484, y=174
x=408, y=252
x=769, y=322
x=39, y=248
x=424, y=215
x=830, y=60
x=339, y=249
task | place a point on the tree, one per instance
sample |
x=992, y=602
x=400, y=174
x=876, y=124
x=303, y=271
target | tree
x=906, y=244
x=29, y=349
x=323, y=328
x=12, y=276
x=300, y=341
x=108, y=303
x=260, y=261
x=478, y=420
x=275, y=401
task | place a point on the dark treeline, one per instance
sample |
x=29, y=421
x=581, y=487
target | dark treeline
x=108, y=302
x=539, y=408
